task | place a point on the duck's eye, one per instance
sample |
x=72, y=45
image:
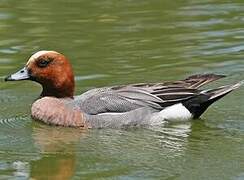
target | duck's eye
x=43, y=63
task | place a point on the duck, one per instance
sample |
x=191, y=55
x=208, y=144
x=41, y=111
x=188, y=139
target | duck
x=132, y=105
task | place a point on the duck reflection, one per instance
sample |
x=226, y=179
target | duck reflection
x=61, y=157
x=57, y=146
x=174, y=138
x=54, y=167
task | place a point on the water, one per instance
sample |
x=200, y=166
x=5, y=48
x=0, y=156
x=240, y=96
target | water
x=120, y=42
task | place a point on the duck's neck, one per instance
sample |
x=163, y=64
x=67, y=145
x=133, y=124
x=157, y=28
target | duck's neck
x=66, y=90
x=57, y=94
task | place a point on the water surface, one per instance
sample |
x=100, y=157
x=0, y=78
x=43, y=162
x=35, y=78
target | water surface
x=120, y=42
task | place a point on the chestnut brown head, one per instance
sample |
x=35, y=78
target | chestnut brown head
x=52, y=70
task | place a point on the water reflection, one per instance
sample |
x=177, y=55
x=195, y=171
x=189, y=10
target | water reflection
x=65, y=153
x=57, y=152
x=60, y=158
x=174, y=137
x=58, y=167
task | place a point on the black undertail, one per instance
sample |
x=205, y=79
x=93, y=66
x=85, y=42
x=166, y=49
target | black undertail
x=199, y=104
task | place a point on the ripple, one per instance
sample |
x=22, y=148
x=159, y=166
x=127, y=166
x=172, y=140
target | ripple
x=5, y=61
x=88, y=77
x=174, y=138
x=211, y=22
x=4, y=16
x=13, y=122
x=8, y=51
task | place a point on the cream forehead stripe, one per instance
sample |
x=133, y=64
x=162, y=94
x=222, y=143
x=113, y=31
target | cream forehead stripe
x=38, y=54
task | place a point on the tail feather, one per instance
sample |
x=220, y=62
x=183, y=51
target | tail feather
x=198, y=80
x=222, y=91
x=193, y=82
x=198, y=104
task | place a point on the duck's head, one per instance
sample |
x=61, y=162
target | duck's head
x=52, y=70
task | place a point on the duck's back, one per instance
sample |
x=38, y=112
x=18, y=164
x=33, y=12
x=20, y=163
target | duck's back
x=119, y=99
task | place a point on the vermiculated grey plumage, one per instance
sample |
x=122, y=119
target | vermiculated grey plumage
x=156, y=96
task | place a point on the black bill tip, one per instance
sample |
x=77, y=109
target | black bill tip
x=8, y=78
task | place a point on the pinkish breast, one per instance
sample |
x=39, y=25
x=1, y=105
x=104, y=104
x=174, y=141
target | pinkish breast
x=53, y=111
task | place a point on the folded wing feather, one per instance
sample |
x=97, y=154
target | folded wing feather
x=119, y=99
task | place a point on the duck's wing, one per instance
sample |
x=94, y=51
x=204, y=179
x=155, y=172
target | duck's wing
x=129, y=98
x=107, y=100
x=199, y=80
x=195, y=81
x=120, y=99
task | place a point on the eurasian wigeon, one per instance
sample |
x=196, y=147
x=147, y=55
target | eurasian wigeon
x=144, y=104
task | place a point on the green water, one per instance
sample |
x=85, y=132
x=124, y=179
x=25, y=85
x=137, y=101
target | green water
x=119, y=42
